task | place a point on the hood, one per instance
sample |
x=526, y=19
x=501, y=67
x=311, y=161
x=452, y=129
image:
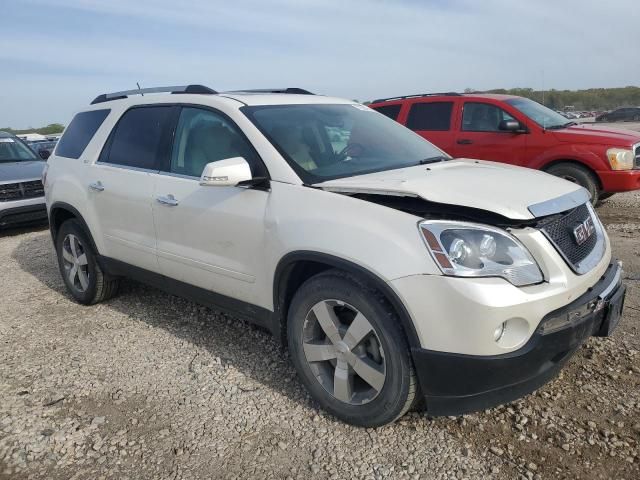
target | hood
x=512, y=192
x=595, y=134
x=11, y=172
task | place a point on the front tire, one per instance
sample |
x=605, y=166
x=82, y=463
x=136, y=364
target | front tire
x=350, y=351
x=82, y=275
x=580, y=175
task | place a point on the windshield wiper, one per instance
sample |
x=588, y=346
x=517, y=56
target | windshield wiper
x=438, y=158
x=562, y=125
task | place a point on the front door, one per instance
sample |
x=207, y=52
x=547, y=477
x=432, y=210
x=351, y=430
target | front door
x=210, y=237
x=479, y=136
x=121, y=185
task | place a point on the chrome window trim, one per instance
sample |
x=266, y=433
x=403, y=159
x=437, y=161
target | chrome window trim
x=591, y=260
x=127, y=167
x=560, y=204
x=178, y=175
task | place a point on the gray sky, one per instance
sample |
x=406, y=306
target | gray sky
x=57, y=55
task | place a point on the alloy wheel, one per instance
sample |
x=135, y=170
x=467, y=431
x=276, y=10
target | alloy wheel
x=76, y=265
x=344, y=352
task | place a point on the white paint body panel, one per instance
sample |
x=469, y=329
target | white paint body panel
x=496, y=187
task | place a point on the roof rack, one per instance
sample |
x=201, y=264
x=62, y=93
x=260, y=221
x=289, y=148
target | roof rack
x=418, y=95
x=292, y=90
x=198, y=89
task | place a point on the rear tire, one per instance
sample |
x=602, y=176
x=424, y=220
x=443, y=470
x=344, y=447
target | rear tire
x=81, y=273
x=580, y=175
x=350, y=351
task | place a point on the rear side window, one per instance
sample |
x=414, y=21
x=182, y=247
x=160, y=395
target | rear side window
x=137, y=137
x=80, y=132
x=435, y=116
x=391, y=111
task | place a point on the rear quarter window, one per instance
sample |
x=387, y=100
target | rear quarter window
x=391, y=111
x=433, y=116
x=80, y=132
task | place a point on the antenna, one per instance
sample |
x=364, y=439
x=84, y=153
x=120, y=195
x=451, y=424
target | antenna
x=138, y=84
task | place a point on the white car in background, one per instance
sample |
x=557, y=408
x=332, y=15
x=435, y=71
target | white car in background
x=391, y=271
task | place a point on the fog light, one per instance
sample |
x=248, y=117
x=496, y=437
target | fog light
x=498, y=333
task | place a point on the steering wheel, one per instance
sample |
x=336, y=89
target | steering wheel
x=352, y=150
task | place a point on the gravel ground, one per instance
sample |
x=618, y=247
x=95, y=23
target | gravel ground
x=151, y=386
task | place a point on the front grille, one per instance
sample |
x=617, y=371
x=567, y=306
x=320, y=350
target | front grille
x=559, y=229
x=17, y=191
x=637, y=155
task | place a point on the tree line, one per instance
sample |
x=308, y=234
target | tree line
x=589, y=99
x=50, y=129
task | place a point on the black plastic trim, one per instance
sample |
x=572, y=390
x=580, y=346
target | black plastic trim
x=78, y=216
x=283, y=271
x=253, y=313
x=24, y=209
x=417, y=95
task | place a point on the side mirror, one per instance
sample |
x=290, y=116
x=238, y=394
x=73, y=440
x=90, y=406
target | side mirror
x=226, y=173
x=510, y=126
x=44, y=154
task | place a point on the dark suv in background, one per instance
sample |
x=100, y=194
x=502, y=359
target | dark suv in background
x=626, y=114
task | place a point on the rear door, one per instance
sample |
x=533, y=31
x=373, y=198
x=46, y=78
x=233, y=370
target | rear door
x=478, y=134
x=433, y=120
x=121, y=184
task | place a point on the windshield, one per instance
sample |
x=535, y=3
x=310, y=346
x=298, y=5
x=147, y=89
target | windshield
x=543, y=116
x=323, y=142
x=13, y=150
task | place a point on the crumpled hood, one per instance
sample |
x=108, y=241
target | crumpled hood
x=20, y=171
x=495, y=187
x=596, y=134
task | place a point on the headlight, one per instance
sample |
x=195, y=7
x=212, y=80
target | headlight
x=469, y=250
x=620, y=158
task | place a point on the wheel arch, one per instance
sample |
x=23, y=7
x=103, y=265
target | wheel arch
x=59, y=213
x=572, y=161
x=296, y=267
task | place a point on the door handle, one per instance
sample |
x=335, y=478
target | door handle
x=464, y=141
x=97, y=186
x=168, y=200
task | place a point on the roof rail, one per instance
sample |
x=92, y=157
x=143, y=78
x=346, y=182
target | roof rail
x=198, y=89
x=292, y=90
x=418, y=95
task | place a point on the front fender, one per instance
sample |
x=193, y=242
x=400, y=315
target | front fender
x=591, y=156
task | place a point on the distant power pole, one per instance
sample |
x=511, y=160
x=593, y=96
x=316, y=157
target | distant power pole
x=543, y=86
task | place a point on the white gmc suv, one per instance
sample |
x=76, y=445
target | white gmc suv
x=392, y=272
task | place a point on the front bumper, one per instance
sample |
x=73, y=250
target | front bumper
x=454, y=384
x=22, y=212
x=619, y=181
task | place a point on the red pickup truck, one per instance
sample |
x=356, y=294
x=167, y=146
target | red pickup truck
x=519, y=131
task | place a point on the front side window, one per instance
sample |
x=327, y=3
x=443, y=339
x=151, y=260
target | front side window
x=430, y=116
x=483, y=117
x=323, y=142
x=13, y=150
x=543, y=116
x=202, y=137
x=137, y=138
x=80, y=132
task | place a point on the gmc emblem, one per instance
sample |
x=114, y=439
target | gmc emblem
x=583, y=231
